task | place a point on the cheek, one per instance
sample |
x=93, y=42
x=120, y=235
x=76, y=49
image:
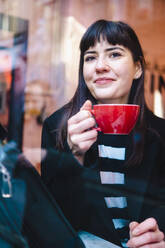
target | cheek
x=87, y=73
x=127, y=73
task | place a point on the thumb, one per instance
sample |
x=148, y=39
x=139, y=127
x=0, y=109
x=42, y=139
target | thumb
x=87, y=105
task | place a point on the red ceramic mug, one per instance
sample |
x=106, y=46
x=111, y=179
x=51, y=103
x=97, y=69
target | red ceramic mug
x=115, y=118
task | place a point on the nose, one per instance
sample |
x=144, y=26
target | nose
x=102, y=66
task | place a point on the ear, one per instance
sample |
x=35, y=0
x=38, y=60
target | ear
x=138, y=70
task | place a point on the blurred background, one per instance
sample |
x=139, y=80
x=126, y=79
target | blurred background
x=39, y=58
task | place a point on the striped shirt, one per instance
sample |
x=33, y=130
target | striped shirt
x=112, y=155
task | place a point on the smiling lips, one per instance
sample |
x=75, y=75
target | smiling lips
x=104, y=80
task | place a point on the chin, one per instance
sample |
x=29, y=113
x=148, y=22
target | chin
x=104, y=98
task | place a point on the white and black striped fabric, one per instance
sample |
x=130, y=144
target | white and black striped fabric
x=112, y=156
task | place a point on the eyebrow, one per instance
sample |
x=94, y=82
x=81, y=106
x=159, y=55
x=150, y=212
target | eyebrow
x=107, y=50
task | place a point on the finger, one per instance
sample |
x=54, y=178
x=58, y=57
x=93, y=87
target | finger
x=146, y=238
x=87, y=105
x=81, y=126
x=155, y=245
x=86, y=136
x=84, y=146
x=132, y=226
x=149, y=224
x=80, y=116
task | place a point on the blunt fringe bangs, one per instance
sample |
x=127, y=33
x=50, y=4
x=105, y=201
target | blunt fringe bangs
x=115, y=33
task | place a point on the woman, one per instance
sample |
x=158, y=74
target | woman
x=128, y=205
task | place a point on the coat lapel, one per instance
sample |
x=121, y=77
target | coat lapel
x=105, y=223
x=136, y=190
x=100, y=218
x=137, y=180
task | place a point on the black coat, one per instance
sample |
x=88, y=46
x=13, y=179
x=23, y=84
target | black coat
x=31, y=217
x=44, y=225
x=78, y=192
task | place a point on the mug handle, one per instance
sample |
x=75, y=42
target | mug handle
x=92, y=111
x=94, y=128
x=97, y=129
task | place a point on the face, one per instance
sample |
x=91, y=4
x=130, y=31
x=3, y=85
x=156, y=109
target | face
x=109, y=71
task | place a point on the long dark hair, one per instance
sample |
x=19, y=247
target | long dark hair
x=115, y=33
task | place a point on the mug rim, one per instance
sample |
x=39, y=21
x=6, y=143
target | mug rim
x=115, y=104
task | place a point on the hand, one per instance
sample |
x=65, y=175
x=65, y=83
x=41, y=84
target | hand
x=81, y=136
x=146, y=234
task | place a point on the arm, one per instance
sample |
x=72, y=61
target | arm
x=60, y=172
x=48, y=137
x=47, y=143
x=150, y=231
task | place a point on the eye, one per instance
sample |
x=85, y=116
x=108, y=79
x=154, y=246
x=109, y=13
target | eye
x=115, y=55
x=89, y=58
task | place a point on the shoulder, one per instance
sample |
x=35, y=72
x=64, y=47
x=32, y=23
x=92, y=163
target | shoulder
x=154, y=146
x=52, y=126
x=54, y=120
x=152, y=117
x=156, y=123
